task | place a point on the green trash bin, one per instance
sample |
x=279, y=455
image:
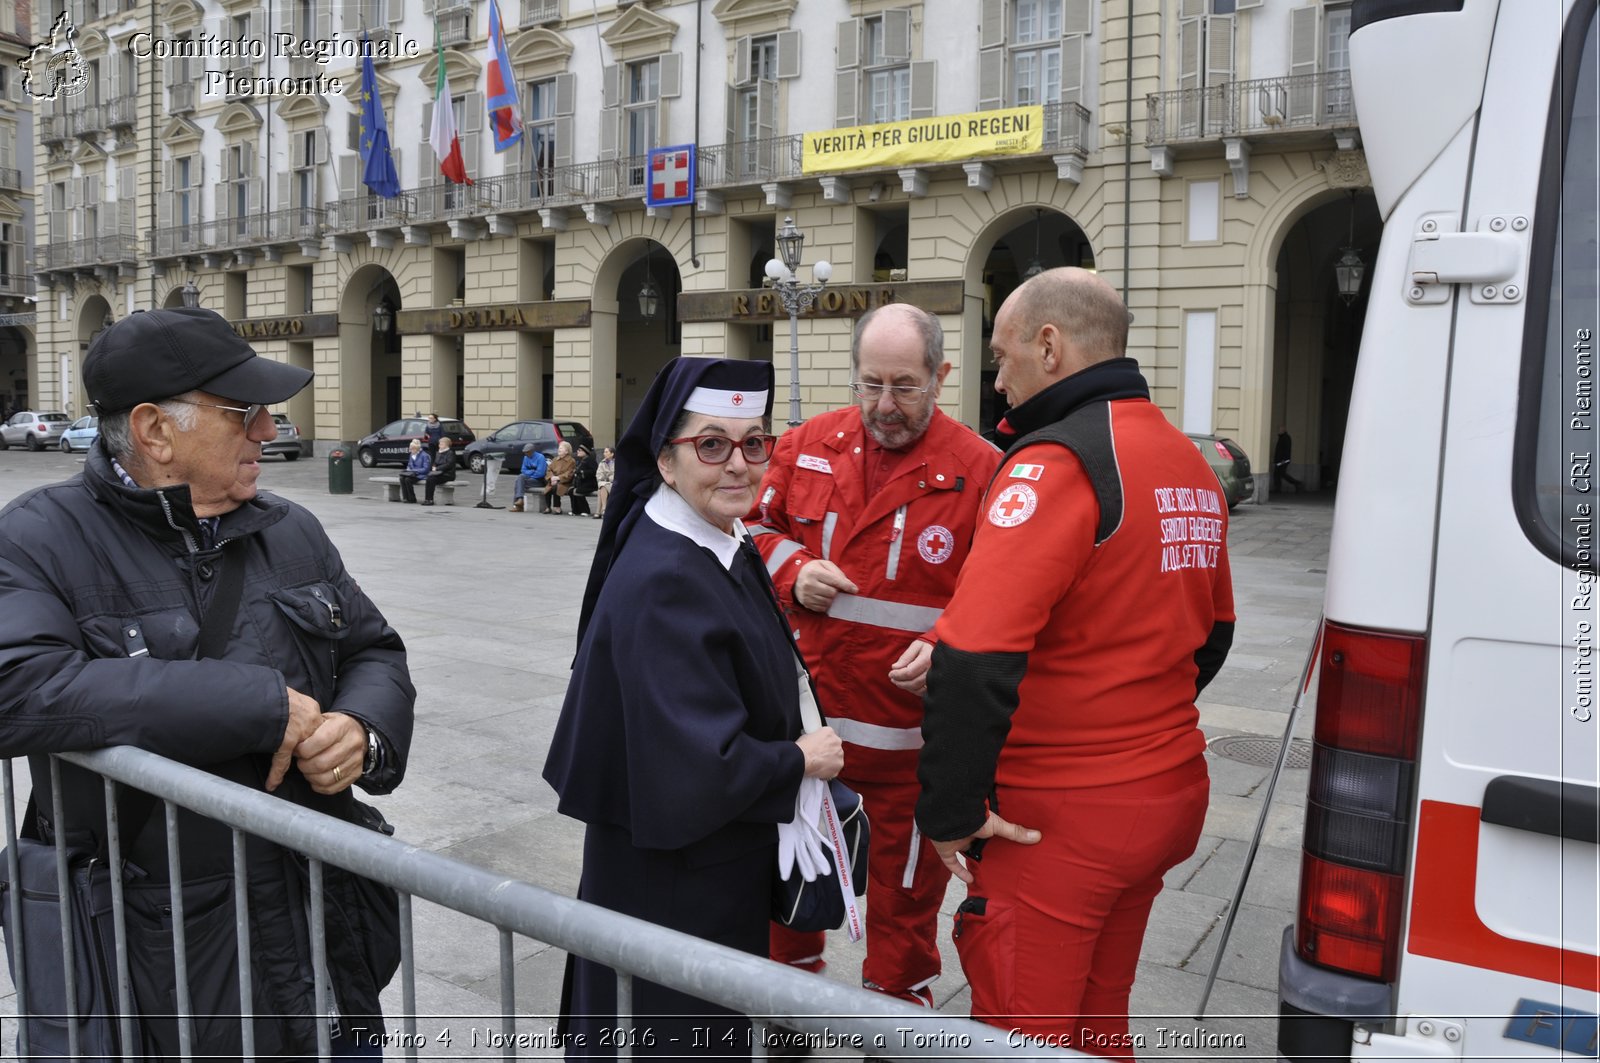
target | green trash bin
x=339, y=476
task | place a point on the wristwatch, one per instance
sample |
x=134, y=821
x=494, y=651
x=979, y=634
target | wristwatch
x=370, y=764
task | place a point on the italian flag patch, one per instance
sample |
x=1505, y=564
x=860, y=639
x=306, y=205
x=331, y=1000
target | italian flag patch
x=1026, y=472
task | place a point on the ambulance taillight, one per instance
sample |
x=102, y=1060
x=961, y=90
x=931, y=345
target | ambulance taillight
x=1358, y=806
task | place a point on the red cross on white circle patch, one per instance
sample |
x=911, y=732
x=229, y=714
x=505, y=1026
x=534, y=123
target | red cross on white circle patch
x=1013, y=506
x=738, y=398
x=936, y=544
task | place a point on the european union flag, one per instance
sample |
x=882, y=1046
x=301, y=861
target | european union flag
x=377, y=164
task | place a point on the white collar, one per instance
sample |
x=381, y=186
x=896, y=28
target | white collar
x=667, y=508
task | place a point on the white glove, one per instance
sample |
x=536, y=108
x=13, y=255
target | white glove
x=799, y=841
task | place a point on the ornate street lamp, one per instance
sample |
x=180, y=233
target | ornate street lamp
x=796, y=297
x=383, y=316
x=649, y=295
x=191, y=294
x=1349, y=271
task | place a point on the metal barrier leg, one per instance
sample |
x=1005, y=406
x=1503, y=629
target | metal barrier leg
x=508, y=997
x=319, y=962
x=408, y=978
x=119, y=922
x=14, y=904
x=69, y=969
x=624, y=1015
x=180, y=944
x=241, y=924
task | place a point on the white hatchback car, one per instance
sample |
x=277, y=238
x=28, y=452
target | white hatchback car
x=34, y=429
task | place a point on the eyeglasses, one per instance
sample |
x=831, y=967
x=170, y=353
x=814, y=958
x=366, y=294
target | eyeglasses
x=716, y=450
x=249, y=413
x=900, y=393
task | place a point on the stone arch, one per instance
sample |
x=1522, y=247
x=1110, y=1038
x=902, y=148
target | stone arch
x=94, y=314
x=362, y=364
x=1010, y=203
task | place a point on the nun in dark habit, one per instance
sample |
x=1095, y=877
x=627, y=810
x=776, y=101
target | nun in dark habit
x=679, y=743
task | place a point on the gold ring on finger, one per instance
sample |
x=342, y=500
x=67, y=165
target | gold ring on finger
x=337, y=773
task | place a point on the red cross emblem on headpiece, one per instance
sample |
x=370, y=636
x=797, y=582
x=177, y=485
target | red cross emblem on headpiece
x=738, y=398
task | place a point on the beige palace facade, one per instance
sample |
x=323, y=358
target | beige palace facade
x=1200, y=154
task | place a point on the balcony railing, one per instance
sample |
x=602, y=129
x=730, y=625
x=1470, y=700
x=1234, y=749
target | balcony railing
x=175, y=240
x=90, y=251
x=55, y=128
x=444, y=200
x=538, y=12
x=749, y=161
x=10, y=179
x=1252, y=108
x=91, y=120
x=455, y=26
x=123, y=112
x=360, y=213
x=252, y=230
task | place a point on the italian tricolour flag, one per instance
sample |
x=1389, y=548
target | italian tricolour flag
x=446, y=143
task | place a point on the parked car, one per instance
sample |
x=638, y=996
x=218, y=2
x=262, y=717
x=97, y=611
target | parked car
x=82, y=434
x=34, y=430
x=391, y=444
x=506, y=443
x=1228, y=460
x=288, y=443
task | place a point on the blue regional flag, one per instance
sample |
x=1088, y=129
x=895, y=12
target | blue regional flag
x=377, y=164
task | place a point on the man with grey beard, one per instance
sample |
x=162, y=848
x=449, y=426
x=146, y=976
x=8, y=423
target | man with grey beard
x=864, y=519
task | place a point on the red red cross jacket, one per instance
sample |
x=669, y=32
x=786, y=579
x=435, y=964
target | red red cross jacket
x=902, y=547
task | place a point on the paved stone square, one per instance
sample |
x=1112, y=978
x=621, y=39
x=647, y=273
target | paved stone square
x=487, y=601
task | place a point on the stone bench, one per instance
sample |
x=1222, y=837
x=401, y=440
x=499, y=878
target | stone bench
x=444, y=493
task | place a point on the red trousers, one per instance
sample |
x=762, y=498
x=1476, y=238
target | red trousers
x=902, y=922
x=1050, y=933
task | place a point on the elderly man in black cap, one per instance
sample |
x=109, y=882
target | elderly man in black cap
x=159, y=600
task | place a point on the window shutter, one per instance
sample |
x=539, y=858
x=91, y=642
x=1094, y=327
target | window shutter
x=392, y=12
x=789, y=54
x=991, y=24
x=991, y=78
x=324, y=20
x=1073, y=49
x=566, y=94
x=924, y=86
x=297, y=151
x=165, y=210
x=741, y=62
x=346, y=166
x=896, y=35
x=766, y=109
x=473, y=115
x=428, y=7
x=735, y=133
x=252, y=195
x=671, y=75
x=398, y=155
x=287, y=192
x=1077, y=17
x=610, y=118
x=1189, y=54
x=352, y=131
x=427, y=122
x=1304, y=38
x=610, y=85
x=1191, y=8
x=1219, y=49
x=845, y=84
x=1246, y=5
x=113, y=78
x=848, y=57
x=564, y=129
x=127, y=180
x=320, y=144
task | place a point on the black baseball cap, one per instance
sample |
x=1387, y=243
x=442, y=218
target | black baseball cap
x=153, y=355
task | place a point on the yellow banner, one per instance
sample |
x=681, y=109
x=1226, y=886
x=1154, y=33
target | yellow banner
x=948, y=138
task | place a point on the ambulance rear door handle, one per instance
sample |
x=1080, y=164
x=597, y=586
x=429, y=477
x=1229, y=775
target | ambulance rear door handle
x=1492, y=261
x=1543, y=806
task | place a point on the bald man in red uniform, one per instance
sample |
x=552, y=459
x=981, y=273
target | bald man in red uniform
x=1095, y=606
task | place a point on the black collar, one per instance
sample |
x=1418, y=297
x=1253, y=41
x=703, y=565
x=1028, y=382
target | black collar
x=1118, y=378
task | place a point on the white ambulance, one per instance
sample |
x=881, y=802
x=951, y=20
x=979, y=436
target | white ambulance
x=1448, y=889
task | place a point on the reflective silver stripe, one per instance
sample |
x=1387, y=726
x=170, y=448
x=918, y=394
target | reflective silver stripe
x=828, y=524
x=757, y=529
x=910, y=876
x=894, y=543
x=872, y=736
x=879, y=613
x=783, y=552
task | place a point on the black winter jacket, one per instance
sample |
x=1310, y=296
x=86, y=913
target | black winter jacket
x=102, y=588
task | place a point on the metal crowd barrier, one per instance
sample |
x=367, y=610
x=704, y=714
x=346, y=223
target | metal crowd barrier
x=771, y=994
